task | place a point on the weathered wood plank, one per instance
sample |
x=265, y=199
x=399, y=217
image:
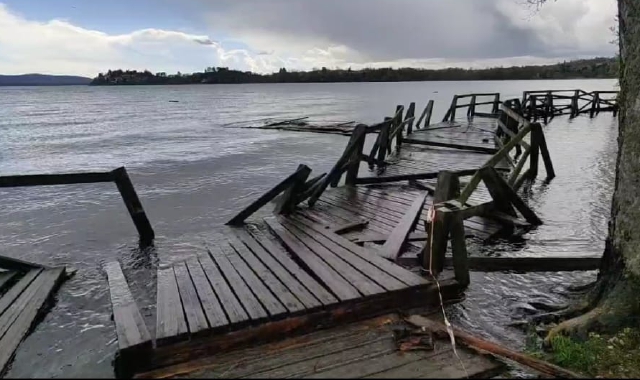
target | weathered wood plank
x=228, y=300
x=210, y=304
x=350, y=266
x=396, y=271
x=281, y=292
x=5, y=278
x=381, y=238
x=531, y=264
x=54, y=179
x=338, y=285
x=240, y=288
x=392, y=248
x=10, y=263
x=170, y=322
x=322, y=294
x=13, y=293
x=196, y=320
x=48, y=281
x=130, y=327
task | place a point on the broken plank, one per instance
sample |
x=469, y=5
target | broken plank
x=130, y=327
x=531, y=264
x=17, y=289
x=196, y=320
x=381, y=238
x=302, y=171
x=393, y=246
x=170, y=322
x=49, y=280
x=355, y=226
x=339, y=286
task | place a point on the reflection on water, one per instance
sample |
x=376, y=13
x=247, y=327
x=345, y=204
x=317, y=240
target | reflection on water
x=192, y=173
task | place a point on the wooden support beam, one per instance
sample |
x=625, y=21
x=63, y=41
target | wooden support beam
x=354, y=226
x=459, y=250
x=409, y=116
x=10, y=263
x=407, y=177
x=398, y=127
x=266, y=198
x=530, y=264
x=538, y=135
x=133, y=204
x=55, y=179
x=288, y=202
x=384, y=141
x=354, y=160
x=493, y=180
x=381, y=238
x=392, y=248
x=471, y=111
x=496, y=104
x=471, y=148
x=426, y=115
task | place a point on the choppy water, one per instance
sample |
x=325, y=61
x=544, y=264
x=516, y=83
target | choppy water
x=192, y=173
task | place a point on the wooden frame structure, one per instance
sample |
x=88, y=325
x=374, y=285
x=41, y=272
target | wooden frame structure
x=547, y=104
x=472, y=104
x=119, y=176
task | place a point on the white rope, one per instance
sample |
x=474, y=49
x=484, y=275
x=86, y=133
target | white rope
x=430, y=218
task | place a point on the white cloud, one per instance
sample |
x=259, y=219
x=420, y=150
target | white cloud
x=354, y=33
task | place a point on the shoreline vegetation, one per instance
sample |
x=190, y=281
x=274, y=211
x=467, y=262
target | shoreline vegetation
x=578, y=69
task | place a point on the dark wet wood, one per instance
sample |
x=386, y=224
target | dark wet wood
x=6, y=277
x=210, y=304
x=10, y=263
x=392, y=248
x=381, y=238
x=531, y=264
x=196, y=320
x=348, y=227
x=170, y=322
x=277, y=288
x=130, y=327
x=54, y=179
x=234, y=276
x=268, y=196
x=280, y=254
x=289, y=199
x=230, y=304
x=133, y=204
x=10, y=296
x=17, y=320
x=329, y=277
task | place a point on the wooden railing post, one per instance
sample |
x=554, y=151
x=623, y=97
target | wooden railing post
x=384, y=143
x=433, y=254
x=397, y=120
x=574, y=104
x=533, y=108
x=454, y=107
x=133, y=204
x=427, y=119
x=410, y=113
x=595, y=104
x=537, y=135
x=496, y=104
x=471, y=111
x=354, y=160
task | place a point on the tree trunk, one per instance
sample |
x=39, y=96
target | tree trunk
x=615, y=300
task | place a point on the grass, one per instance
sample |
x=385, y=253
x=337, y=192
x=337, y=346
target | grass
x=602, y=356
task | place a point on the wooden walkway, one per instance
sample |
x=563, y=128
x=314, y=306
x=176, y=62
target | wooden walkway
x=368, y=349
x=24, y=290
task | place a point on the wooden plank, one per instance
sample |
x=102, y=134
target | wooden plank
x=281, y=292
x=512, y=196
x=330, y=278
x=406, y=177
x=133, y=204
x=41, y=291
x=459, y=250
x=54, y=179
x=266, y=197
x=5, y=278
x=348, y=227
x=304, y=297
x=381, y=238
x=11, y=313
x=288, y=200
x=392, y=248
x=210, y=304
x=452, y=145
x=351, y=267
x=130, y=327
x=9, y=297
x=10, y=263
x=196, y=320
x=396, y=271
x=322, y=294
x=170, y=322
x=228, y=300
x=531, y=264
x=240, y=288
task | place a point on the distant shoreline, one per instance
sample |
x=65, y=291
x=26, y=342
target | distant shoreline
x=595, y=68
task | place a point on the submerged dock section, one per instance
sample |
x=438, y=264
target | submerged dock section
x=375, y=235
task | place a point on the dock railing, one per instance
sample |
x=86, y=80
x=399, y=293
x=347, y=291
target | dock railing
x=546, y=104
x=475, y=100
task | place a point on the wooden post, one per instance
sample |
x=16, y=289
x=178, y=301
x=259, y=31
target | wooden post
x=532, y=108
x=459, y=249
x=595, y=104
x=134, y=206
x=493, y=180
x=288, y=201
x=472, y=107
x=534, y=153
x=354, y=161
x=496, y=104
x=447, y=188
x=538, y=135
x=384, y=143
x=410, y=113
x=427, y=119
x=397, y=120
x=574, y=104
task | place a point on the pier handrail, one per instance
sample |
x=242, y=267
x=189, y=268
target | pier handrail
x=546, y=104
x=471, y=111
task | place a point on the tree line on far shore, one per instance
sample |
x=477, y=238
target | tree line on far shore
x=585, y=68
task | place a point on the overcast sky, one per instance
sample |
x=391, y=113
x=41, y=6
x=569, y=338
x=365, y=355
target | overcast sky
x=86, y=37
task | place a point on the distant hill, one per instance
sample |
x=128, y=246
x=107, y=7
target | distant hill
x=42, y=80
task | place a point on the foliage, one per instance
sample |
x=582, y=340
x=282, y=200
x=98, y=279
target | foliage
x=589, y=68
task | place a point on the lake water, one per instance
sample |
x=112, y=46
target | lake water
x=193, y=169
